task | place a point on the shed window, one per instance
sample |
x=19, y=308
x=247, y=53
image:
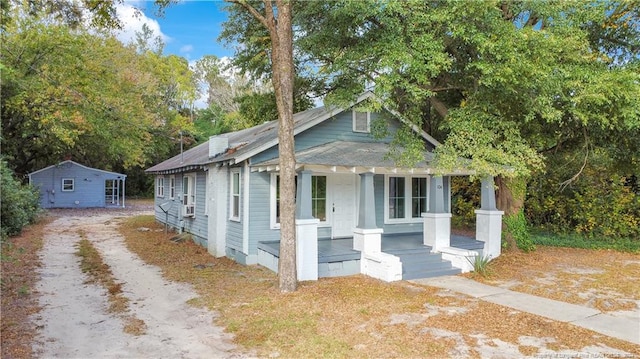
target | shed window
x=361, y=121
x=68, y=185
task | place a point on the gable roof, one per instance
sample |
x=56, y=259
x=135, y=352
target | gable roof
x=114, y=174
x=246, y=143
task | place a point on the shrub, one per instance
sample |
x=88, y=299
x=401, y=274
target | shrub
x=516, y=226
x=19, y=204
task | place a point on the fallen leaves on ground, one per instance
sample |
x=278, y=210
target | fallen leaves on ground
x=606, y=280
x=20, y=261
x=355, y=316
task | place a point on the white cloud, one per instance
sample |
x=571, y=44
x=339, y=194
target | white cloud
x=132, y=21
x=186, y=49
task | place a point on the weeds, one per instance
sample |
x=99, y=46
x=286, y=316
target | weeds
x=481, y=265
x=99, y=273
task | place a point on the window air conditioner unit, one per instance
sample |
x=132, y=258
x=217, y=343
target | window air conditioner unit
x=189, y=210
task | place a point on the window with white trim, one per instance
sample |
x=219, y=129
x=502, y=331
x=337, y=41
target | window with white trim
x=160, y=186
x=318, y=198
x=172, y=187
x=361, y=121
x=189, y=196
x=406, y=198
x=235, y=195
x=68, y=185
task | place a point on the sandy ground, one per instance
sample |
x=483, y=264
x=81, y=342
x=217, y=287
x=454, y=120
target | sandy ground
x=74, y=321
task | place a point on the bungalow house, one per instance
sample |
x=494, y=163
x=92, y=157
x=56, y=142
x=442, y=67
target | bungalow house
x=357, y=211
x=69, y=184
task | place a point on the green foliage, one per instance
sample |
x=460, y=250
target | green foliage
x=573, y=240
x=481, y=265
x=19, y=204
x=465, y=199
x=516, y=226
x=601, y=202
x=81, y=93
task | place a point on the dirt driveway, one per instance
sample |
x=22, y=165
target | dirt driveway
x=75, y=322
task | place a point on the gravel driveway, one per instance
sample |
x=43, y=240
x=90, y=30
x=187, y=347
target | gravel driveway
x=75, y=322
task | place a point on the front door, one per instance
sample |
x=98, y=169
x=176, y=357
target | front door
x=342, y=204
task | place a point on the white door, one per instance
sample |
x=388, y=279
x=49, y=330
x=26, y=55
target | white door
x=342, y=204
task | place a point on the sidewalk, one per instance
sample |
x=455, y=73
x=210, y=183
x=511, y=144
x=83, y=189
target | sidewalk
x=621, y=327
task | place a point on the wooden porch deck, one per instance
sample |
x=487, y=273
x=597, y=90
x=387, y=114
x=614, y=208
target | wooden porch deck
x=339, y=250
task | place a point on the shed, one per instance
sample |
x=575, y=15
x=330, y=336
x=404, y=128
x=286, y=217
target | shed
x=71, y=185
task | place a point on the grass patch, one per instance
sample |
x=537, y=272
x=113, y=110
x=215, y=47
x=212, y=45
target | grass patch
x=92, y=264
x=344, y=317
x=578, y=241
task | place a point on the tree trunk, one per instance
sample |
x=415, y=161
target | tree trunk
x=510, y=199
x=278, y=21
x=283, y=73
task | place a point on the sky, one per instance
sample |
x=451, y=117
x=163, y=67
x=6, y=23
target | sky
x=189, y=28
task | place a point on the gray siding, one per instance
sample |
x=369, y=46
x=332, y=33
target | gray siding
x=338, y=128
x=234, y=228
x=259, y=211
x=197, y=225
x=89, y=186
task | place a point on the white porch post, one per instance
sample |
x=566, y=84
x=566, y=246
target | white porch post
x=306, y=230
x=489, y=220
x=437, y=221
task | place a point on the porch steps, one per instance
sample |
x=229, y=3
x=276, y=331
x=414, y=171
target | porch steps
x=421, y=263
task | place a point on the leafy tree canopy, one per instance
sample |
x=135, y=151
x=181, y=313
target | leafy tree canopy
x=499, y=82
x=70, y=92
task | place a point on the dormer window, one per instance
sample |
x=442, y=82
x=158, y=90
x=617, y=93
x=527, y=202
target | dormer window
x=361, y=121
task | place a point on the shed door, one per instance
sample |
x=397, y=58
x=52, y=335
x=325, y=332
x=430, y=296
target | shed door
x=342, y=204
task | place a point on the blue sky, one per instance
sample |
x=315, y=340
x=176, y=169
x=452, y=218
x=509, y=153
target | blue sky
x=189, y=29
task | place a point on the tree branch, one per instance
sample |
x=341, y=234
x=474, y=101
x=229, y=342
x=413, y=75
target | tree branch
x=564, y=184
x=253, y=11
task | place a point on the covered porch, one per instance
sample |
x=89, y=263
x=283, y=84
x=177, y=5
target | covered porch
x=336, y=257
x=417, y=199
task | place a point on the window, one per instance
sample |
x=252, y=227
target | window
x=67, y=185
x=172, y=187
x=318, y=198
x=418, y=197
x=406, y=198
x=189, y=196
x=361, y=121
x=396, y=197
x=160, y=186
x=235, y=195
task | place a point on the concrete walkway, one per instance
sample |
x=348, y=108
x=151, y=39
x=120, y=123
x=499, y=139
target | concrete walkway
x=616, y=326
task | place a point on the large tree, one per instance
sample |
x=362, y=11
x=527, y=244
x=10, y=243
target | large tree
x=276, y=18
x=70, y=92
x=500, y=83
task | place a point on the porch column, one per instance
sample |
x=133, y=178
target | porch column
x=489, y=220
x=306, y=230
x=367, y=237
x=437, y=221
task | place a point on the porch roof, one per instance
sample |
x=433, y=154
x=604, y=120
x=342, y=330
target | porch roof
x=353, y=157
